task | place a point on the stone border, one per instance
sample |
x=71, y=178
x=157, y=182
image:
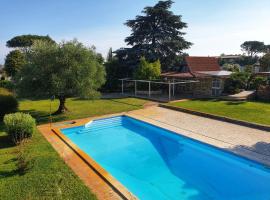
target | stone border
x=217, y=117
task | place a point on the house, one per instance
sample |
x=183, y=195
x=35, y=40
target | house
x=229, y=58
x=204, y=69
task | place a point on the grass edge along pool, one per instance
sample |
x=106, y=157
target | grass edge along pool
x=156, y=163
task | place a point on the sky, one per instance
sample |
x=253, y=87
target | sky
x=214, y=26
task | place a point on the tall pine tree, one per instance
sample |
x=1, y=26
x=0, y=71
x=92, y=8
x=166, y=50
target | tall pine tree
x=157, y=34
x=109, y=55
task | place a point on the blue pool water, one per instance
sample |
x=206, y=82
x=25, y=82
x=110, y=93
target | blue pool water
x=154, y=163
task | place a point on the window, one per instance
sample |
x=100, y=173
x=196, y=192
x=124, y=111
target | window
x=216, y=83
x=216, y=87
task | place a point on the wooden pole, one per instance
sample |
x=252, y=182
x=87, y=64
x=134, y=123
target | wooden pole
x=149, y=94
x=135, y=88
x=169, y=91
x=122, y=86
x=173, y=87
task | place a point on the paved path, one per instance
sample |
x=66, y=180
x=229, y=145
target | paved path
x=240, y=96
x=248, y=142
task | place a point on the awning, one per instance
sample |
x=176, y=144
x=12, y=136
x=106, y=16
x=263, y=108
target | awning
x=221, y=73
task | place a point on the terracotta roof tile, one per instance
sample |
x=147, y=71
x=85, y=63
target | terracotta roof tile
x=196, y=64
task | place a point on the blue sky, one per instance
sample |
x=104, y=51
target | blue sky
x=215, y=26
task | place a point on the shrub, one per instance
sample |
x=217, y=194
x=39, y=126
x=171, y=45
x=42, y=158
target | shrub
x=231, y=67
x=19, y=126
x=8, y=103
x=7, y=84
x=24, y=160
x=148, y=71
x=258, y=81
x=236, y=82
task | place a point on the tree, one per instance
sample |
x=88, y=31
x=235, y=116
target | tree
x=63, y=70
x=147, y=71
x=258, y=81
x=267, y=48
x=100, y=58
x=157, y=34
x=253, y=47
x=231, y=67
x=236, y=82
x=24, y=41
x=109, y=55
x=14, y=62
x=265, y=63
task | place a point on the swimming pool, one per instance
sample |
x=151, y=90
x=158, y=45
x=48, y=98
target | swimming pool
x=154, y=163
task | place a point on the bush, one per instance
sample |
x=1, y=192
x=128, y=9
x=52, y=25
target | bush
x=231, y=67
x=236, y=82
x=19, y=126
x=148, y=71
x=258, y=81
x=7, y=84
x=8, y=103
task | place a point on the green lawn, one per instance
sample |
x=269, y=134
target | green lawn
x=256, y=112
x=79, y=108
x=48, y=176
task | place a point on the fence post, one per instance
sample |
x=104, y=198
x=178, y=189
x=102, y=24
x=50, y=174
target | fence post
x=122, y=86
x=149, y=94
x=169, y=91
x=135, y=88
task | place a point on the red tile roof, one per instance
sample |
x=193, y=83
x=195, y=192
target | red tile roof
x=196, y=64
x=195, y=68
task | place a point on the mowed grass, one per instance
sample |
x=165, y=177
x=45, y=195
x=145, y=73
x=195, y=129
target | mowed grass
x=47, y=176
x=40, y=109
x=256, y=112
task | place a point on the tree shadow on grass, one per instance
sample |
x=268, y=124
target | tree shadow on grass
x=44, y=117
x=114, y=99
x=5, y=142
x=6, y=174
x=227, y=102
x=119, y=101
x=235, y=102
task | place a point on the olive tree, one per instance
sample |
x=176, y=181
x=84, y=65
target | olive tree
x=61, y=70
x=14, y=62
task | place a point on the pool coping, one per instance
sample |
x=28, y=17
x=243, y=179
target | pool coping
x=106, y=176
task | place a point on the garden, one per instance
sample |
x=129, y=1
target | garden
x=29, y=167
x=32, y=169
x=46, y=81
